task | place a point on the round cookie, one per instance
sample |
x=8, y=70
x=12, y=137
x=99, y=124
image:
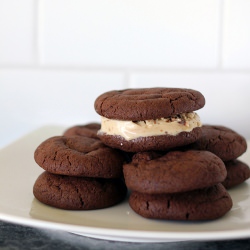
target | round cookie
x=197, y=205
x=222, y=141
x=173, y=172
x=88, y=130
x=78, y=193
x=156, y=143
x=79, y=156
x=136, y=120
x=147, y=103
x=237, y=173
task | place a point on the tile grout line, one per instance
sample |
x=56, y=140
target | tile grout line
x=126, y=71
x=35, y=35
x=39, y=30
x=220, y=34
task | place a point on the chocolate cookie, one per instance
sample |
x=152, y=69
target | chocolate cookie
x=237, y=173
x=222, y=141
x=88, y=130
x=148, y=103
x=78, y=193
x=79, y=156
x=135, y=120
x=173, y=172
x=202, y=204
x=161, y=142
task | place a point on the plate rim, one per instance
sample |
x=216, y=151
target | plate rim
x=126, y=235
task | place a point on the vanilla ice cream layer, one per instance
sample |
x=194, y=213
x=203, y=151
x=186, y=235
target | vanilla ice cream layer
x=130, y=130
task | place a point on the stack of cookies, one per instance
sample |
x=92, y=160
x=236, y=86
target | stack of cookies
x=175, y=168
x=81, y=173
x=228, y=145
x=168, y=178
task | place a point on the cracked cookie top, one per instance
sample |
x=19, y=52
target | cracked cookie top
x=79, y=156
x=147, y=103
x=88, y=130
x=198, y=205
x=222, y=141
x=173, y=172
x=78, y=193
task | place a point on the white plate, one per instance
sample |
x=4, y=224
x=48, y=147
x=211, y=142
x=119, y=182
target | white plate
x=18, y=172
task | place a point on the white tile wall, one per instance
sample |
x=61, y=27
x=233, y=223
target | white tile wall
x=17, y=29
x=138, y=33
x=236, y=35
x=56, y=56
x=34, y=98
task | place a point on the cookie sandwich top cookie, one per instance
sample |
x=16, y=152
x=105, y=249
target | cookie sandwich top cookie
x=148, y=103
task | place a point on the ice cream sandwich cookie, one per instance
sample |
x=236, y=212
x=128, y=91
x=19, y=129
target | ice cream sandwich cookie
x=78, y=193
x=173, y=172
x=137, y=120
x=79, y=156
x=222, y=141
x=202, y=204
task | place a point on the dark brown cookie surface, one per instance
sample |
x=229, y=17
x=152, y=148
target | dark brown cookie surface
x=78, y=193
x=79, y=156
x=203, y=204
x=160, y=142
x=173, y=172
x=147, y=103
x=222, y=141
x=88, y=130
x=237, y=173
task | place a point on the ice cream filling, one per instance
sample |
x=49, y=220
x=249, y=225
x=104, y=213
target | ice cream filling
x=130, y=130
